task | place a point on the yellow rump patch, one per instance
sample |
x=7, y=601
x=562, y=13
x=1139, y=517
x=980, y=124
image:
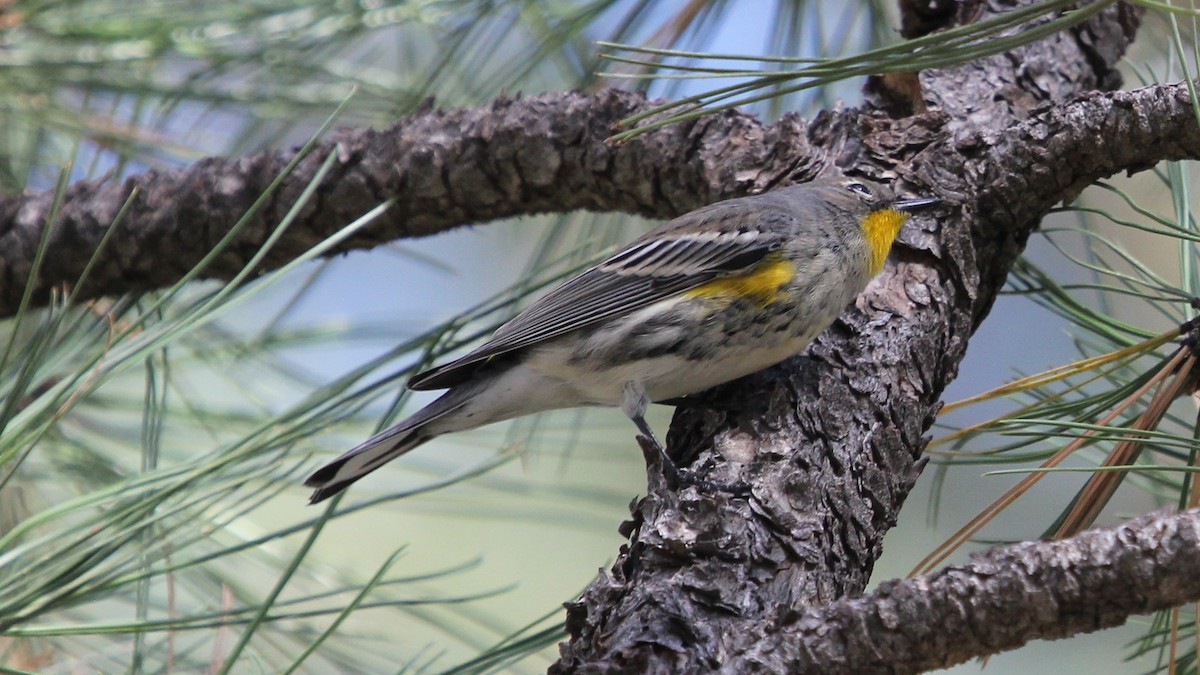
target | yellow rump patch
x=762, y=283
x=880, y=229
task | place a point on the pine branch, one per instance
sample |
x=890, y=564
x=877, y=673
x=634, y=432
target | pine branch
x=1003, y=598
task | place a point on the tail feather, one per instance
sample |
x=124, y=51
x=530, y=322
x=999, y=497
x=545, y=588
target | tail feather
x=362, y=460
x=381, y=448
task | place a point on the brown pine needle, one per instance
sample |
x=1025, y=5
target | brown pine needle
x=1174, y=641
x=968, y=430
x=943, y=551
x=1054, y=374
x=1100, y=488
x=1193, y=502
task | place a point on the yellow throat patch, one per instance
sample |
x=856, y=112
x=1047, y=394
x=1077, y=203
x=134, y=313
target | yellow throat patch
x=880, y=228
x=762, y=283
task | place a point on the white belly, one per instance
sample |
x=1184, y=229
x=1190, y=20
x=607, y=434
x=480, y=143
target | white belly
x=664, y=377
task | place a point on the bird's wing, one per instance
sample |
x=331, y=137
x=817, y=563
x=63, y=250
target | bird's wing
x=650, y=269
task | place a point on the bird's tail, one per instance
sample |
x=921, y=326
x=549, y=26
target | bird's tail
x=381, y=448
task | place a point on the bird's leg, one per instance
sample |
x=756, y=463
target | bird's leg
x=633, y=404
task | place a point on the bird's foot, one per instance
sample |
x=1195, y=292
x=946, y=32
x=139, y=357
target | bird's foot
x=677, y=477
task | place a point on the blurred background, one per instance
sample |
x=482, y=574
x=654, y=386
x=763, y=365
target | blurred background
x=156, y=521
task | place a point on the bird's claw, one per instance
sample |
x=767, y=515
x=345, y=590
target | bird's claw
x=677, y=476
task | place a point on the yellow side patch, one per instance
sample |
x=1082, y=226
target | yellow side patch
x=880, y=229
x=762, y=283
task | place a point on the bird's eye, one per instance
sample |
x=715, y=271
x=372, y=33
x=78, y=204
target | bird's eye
x=859, y=188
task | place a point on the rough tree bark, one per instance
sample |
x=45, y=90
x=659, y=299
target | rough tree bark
x=830, y=441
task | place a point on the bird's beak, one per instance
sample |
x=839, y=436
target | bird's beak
x=915, y=204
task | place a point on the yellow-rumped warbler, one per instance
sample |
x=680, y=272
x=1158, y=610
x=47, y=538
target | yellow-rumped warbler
x=715, y=294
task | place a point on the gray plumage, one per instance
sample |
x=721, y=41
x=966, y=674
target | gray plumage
x=648, y=323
